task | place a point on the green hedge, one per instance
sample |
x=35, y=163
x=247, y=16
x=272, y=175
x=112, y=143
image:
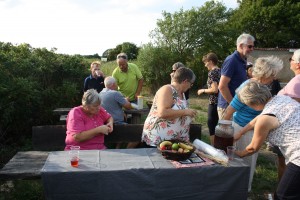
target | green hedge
x=33, y=82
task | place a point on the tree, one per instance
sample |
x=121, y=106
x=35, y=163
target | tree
x=185, y=32
x=129, y=48
x=187, y=36
x=152, y=60
x=273, y=23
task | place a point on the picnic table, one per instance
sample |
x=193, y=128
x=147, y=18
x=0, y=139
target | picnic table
x=62, y=112
x=139, y=174
x=137, y=114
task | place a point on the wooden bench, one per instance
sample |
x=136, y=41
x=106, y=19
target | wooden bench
x=28, y=164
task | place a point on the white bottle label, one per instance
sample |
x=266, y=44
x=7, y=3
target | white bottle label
x=140, y=102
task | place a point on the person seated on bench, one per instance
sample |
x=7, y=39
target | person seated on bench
x=113, y=101
x=170, y=117
x=87, y=124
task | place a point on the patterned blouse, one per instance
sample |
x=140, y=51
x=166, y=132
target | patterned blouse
x=158, y=129
x=213, y=76
x=287, y=135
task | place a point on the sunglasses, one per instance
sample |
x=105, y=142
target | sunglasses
x=173, y=70
x=291, y=59
x=124, y=57
x=250, y=46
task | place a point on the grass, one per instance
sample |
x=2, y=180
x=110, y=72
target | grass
x=264, y=181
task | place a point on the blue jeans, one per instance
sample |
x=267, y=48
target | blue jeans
x=288, y=187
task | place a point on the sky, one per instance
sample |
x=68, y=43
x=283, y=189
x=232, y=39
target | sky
x=85, y=27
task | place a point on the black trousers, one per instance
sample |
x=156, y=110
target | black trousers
x=289, y=184
x=212, y=118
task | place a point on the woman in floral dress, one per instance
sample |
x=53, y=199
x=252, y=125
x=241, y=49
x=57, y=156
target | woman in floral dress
x=169, y=117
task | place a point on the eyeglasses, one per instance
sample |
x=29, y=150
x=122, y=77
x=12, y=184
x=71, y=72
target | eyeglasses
x=173, y=70
x=250, y=46
x=291, y=59
x=124, y=57
x=190, y=83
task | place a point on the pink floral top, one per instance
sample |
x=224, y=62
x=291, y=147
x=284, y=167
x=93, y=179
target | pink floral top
x=158, y=129
x=78, y=121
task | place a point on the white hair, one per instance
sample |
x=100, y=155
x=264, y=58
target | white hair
x=297, y=56
x=254, y=93
x=266, y=67
x=91, y=96
x=108, y=81
x=244, y=38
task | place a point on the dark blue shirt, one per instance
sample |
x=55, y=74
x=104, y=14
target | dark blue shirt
x=92, y=83
x=234, y=67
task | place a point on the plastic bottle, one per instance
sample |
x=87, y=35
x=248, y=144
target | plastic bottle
x=140, y=102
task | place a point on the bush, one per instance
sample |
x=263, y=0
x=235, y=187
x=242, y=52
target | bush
x=32, y=83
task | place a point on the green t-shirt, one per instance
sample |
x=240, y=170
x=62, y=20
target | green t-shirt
x=128, y=81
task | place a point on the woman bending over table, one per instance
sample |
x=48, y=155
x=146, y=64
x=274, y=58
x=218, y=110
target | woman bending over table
x=279, y=124
x=169, y=117
x=264, y=71
x=87, y=124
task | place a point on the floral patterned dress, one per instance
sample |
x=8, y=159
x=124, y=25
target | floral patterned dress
x=158, y=129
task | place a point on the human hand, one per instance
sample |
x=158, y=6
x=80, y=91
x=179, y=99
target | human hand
x=238, y=153
x=191, y=112
x=127, y=98
x=136, y=96
x=104, y=129
x=110, y=126
x=99, y=73
x=237, y=136
x=200, y=91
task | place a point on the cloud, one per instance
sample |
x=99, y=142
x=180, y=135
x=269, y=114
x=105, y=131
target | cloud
x=82, y=27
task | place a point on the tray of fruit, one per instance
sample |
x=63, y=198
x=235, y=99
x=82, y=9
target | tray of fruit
x=176, y=149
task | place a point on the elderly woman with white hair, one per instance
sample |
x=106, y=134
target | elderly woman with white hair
x=264, y=71
x=279, y=124
x=87, y=124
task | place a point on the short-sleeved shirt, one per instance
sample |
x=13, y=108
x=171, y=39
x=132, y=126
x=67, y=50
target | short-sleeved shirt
x=93, y=83
x=243, y=114
x=234, y=67
x=213, y=76
x=287, y=135
x=128, y=81
x=112, y=101
x=78, y=121
x=157, y=129
x=292, y=89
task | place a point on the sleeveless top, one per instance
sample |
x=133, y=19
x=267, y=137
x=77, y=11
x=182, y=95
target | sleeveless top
x=158, y=129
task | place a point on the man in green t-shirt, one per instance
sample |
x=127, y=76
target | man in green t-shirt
x=129, y=78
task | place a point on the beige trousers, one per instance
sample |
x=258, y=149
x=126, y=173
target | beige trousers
x=241, y=144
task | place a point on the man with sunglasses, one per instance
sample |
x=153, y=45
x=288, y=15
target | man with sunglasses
x=129, y=78
x=233, y=71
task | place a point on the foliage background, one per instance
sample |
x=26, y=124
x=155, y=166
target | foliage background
x=34, y=81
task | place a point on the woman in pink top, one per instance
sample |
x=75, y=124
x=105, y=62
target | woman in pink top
x=292, y=89
x=87, y=124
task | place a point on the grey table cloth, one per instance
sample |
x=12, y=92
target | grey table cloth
x=139, y=174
